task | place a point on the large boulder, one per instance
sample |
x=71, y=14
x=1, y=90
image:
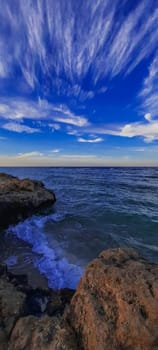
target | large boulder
x=116, y=304
x=21, y=198
x=115, y=307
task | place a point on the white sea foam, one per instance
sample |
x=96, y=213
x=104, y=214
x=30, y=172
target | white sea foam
x=49, y=259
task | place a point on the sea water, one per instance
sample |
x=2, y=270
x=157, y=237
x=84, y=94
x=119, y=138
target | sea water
x=96, y=209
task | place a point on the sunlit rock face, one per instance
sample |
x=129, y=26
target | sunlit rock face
x=21, y=198
x=116, y=303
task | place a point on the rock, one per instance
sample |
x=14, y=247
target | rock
x=115, y=307
x=21, y=198
x=45, y=333
x=3, y=339
x=33, y=333
x=22, y=306
x=58, y=301
x=12, y=303
x=116, y=304
x=64, y=338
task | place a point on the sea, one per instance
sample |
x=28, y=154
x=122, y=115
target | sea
x=96, y=209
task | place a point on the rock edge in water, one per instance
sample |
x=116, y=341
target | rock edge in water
x=21, y=198
x=115, y=307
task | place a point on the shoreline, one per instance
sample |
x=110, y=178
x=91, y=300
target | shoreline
x=114, y=307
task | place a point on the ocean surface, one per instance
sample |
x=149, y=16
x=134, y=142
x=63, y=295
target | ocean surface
x=96, y=209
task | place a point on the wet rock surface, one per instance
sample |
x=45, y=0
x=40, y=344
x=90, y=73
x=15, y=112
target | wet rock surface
x=21, y=198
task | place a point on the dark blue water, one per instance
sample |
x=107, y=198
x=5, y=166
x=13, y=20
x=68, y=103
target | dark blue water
x=96, y=209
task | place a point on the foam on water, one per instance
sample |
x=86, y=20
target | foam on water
x=96, y=209
x=50, y=260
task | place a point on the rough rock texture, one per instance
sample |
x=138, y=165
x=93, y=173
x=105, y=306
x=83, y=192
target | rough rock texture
x=114, y=308
x=29, y=318
x=33, y=333
x=116, y=303
x=21, y=198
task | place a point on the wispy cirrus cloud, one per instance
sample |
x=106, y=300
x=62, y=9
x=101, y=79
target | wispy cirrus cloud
x=149, y=92
x=62, y=41
x=19, y=128
x=54, y=126
x=72, y=120
x=42, y=111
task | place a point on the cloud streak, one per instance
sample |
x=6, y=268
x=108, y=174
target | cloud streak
x=54, y=44
x=148, y=129
x=29, y=155
x=19, y=128
x=149, y=92
x=17, y=110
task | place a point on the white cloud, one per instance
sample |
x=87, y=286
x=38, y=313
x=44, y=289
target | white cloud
x=54, y=126
x=147, y=130
x=19, y=109
x=73, y=132
x=77, y=121
x=148, y=117
x=29, y=155
x=96, y=140
x=149, y=91
x=56, y=150
x=19, y=128
x=41, y=35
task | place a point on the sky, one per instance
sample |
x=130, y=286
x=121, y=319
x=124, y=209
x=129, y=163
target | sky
x=79, y=83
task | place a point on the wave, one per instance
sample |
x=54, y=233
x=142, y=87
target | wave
x=49, y=259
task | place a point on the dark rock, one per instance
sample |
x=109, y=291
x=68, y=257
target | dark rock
x=12, y=303
x=21, y=198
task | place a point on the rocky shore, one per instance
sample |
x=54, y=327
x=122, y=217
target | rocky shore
x=21, y=198
x=115, y=306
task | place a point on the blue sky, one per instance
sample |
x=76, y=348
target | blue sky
x=79, y=82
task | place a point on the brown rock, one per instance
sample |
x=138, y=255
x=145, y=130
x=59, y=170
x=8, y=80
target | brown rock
x=33, y=333
x=64, y=338
x=114, y=308
x=116, y=303
x=45, y=333
x=21, y=198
